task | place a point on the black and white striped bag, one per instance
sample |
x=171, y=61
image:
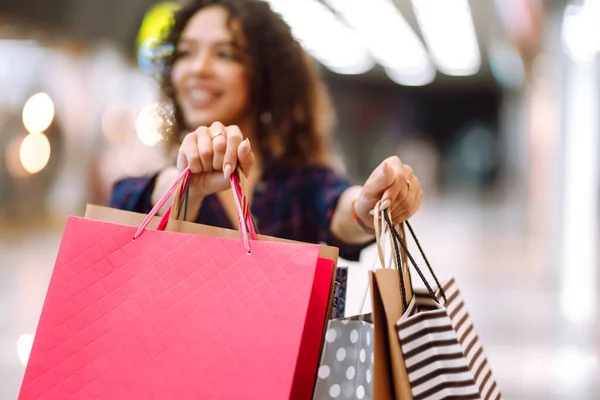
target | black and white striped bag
x=435, y=362
x=443, y=356
x=468, y=339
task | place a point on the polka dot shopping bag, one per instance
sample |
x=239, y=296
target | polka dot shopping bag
x=346, y=368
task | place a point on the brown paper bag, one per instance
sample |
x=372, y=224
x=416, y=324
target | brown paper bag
x=390, y=379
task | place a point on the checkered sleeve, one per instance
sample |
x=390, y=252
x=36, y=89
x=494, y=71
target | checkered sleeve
x=329, y=186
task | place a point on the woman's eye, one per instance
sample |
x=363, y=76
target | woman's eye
x=227, y=55
x=181, y=54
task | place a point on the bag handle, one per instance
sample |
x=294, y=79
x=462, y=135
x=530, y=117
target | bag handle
x=396, y=251
x=437, y=282
x=237, y=184
x=182, y=181
x=398, y=240
x=380, y=230
x=160, y=203
x=239, y=203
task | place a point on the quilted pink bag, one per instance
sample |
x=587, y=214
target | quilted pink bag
x=139, y=313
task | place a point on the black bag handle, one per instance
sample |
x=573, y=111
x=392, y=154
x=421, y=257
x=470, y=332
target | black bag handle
x=398, y=240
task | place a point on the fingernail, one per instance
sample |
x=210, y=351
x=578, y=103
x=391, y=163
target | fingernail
x=227, y=170
x=372, y=212
x=247, y=145
x=383, y=168
x=385, y=204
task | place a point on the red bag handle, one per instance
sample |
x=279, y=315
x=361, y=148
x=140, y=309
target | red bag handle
x=245, y=219
x=236, y=186
x=237, y=189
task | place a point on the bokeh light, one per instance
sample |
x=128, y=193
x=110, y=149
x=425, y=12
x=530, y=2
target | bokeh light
x=149, y=42
x=13, y=158
x=35, y=152
x=148, y=123
x=38, y=113
x=24, y=345
x=158, y=18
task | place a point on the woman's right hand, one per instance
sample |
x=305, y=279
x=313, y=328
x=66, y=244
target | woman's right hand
x=212, y=154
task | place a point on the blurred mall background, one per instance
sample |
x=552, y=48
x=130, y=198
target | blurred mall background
x=493, y=102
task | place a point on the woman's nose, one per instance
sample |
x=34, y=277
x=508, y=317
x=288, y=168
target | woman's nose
x=203, y=64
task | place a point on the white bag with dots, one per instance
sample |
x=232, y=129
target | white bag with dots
x=346, y=368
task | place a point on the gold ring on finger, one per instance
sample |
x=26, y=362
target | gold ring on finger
x=213, y=136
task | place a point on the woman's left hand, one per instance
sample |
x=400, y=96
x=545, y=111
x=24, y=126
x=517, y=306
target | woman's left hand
x=396, y=186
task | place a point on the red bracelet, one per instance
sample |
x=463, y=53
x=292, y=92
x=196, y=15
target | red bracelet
x=359, y=222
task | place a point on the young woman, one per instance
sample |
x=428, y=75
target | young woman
x=245, y=94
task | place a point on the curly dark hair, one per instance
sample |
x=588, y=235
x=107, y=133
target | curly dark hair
x=294, y=114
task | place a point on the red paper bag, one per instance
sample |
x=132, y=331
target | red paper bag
x=173, y=315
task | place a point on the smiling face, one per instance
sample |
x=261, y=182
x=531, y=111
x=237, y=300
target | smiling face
x=209, y=74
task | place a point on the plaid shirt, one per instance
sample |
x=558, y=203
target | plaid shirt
x=296, y=205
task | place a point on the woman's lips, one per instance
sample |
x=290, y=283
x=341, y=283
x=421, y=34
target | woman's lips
x=198, y=98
